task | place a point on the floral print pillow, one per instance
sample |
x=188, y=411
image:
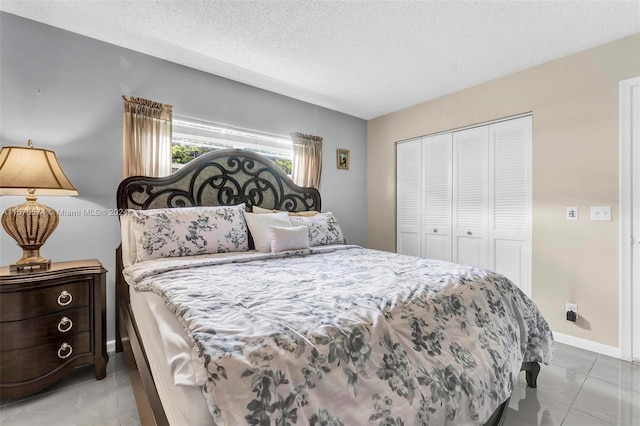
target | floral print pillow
x=323, y=229
x=188, y=231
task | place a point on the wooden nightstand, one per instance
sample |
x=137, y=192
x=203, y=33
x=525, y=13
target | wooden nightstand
x=51, y=321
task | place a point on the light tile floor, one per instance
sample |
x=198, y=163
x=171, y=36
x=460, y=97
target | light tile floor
x=579, y=388
x=79, y=399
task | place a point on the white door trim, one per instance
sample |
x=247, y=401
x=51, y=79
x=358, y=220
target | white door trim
x=629, y=291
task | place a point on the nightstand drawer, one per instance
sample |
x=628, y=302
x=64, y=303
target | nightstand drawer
x=34, y=303
x=35, y=331
x=25, y=364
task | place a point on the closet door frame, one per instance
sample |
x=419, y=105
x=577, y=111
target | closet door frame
x=629, y=321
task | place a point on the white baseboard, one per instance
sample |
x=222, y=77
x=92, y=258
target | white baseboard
x=111, y=346
x=587, y=344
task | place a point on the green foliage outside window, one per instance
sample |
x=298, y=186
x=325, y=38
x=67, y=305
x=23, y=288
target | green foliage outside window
x=284, y=164
x=182, y=154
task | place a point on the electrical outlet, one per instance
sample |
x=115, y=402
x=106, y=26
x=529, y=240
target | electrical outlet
x=572, y=311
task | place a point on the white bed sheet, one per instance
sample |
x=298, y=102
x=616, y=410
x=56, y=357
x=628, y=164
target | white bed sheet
x=183, y=404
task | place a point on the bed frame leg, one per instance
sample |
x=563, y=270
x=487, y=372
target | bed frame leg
x=531, y=371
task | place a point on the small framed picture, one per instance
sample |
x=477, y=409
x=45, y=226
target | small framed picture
x=342, y=159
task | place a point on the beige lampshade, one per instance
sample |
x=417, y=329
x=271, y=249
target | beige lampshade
x=24, y=168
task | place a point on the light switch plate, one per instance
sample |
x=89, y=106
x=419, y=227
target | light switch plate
x=601, y=213
x=572, y=213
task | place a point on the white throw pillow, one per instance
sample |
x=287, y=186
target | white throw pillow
x=283, y=239
x=259, y=228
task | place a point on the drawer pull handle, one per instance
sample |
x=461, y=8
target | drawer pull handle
x=65, y=298
x=435, y=230
x=65, y=351
x=469, y=233
x=65, y=325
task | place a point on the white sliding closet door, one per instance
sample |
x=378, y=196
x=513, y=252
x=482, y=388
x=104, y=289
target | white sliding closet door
x=470, y=196
x=408, y=197
x=437, y=194
x=465, y=196
x=510, y=200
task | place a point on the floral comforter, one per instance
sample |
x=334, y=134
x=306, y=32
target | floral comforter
x=350, y=336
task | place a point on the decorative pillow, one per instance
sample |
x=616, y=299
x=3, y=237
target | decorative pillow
x=188, y=231
x=307, y=214
x=260, y=210
x=323, y=229
x=259, y=228
x=283, y=239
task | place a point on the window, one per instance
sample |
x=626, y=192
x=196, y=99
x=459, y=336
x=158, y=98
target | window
x=194, y=138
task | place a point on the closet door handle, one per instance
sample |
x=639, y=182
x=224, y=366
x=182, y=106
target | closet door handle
x=469, y=233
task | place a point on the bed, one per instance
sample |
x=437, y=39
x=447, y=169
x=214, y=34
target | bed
x=313, y=331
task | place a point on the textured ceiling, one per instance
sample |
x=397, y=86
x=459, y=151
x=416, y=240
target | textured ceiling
x=364, y=58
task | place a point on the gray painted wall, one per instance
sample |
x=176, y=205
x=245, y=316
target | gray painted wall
x=78, y=114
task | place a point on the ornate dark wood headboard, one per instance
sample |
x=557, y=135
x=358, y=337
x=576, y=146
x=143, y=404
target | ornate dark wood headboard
x=220, y=178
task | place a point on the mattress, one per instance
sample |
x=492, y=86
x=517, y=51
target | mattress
x=170, y=355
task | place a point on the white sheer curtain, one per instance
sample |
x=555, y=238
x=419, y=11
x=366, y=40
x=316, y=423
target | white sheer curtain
x=146, y=138
x=307, y=160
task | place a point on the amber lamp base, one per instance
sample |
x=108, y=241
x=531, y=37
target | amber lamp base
x=30, y=224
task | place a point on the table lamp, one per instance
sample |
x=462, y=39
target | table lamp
x=25, y=170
